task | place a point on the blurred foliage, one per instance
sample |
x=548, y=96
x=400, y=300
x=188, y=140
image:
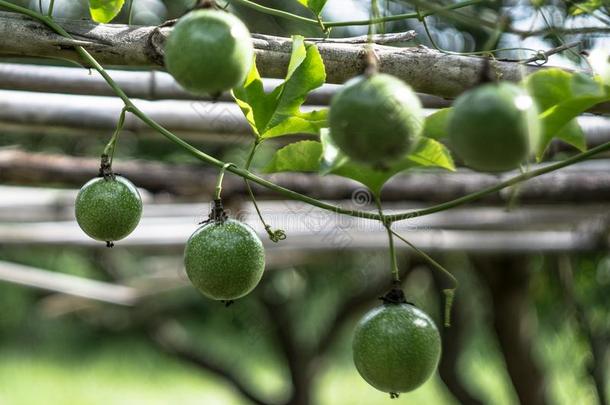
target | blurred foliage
x=89, y=344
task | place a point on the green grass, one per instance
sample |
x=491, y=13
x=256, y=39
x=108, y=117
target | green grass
x=130, y=371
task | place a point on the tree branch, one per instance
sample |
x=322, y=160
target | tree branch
x=183, y=352
x=584, y=183
x=597, y=344
x=298, y=362
x=508, y=281
x=428, y=71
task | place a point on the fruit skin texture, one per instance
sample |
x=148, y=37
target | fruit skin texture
x=224, y=260
x=209, y=52
x=375, y=119
x=396, y=347
x=494, y=127
x=108, y=209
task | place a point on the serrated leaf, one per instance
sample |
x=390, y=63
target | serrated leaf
x=561, y=97
x=278, y=113
x=303, y=156
x=315, y=6
x=428, y=153
x=435, y=125
x=104, y=11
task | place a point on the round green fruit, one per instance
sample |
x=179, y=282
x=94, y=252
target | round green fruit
x=396, y=347
x=494, y=127
x=224, y=260
x=209, y=52
x=108, y=209
x=375, y=119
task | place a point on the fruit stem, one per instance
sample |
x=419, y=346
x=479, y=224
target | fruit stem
x=371, y=61
x=205, y=4
x=217, y=213
x=448, y=292
x=130, y=12
x=221, y=177
x=388, y=226
x=50, y=10
x=111, y=145
x=331, y=24
x=274, y=236
x=395, y=296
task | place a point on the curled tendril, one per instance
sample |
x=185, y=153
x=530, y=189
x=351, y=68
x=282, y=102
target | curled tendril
x=276, y=235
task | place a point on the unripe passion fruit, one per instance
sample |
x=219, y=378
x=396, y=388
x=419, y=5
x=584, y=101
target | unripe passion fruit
x=224, y=260
x=396, y=347
x=375, y=119
x=108, y=209
x=209, y=52
x=494, y=127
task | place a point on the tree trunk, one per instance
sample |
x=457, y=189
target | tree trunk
x=508, y=278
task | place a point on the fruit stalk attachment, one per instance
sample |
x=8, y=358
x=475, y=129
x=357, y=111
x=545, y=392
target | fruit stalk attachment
x=395, y=296
x=278, y=234
x=108, y=153
x=205, y=4
x=371, y=61
x=217, y=213
x=450, y=278
x=388, y=226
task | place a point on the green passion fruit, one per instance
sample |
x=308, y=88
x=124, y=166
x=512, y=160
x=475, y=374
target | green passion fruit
x=396, y=347
x=225, y=259
x=375, y=119
x=494, y=127
x=108, y=208
x=209, y=51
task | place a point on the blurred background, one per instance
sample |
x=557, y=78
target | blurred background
x=83, y=324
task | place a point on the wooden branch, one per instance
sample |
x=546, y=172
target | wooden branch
x=563, y=31
x=428, y=71
x=221, y=122
x=587, y=182
x=57, y=113
x=307, y=234
x=67, y=284
x=149, y=85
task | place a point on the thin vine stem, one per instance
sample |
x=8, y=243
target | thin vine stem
x=473, y=53
x=331, y=24
x=111, y=145
x=130, y=12
x=83, y=53
x=221, y=176
x=392, y=249
x=274, y=236
x=51, y=6
x=448, y=292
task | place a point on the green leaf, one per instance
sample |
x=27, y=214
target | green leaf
x=278, y=113
x=435, y=125
x=303, y=156
x=315, y=6
x=587, y=7
x=104, y=11
x=428, y=153
x=561, y=97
